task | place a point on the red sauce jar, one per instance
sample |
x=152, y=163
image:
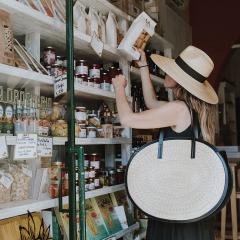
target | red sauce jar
x=95, y=159
x=95, y=71
x=97, y=82
x=90, y=82
x=105, y=83
x=81, y=67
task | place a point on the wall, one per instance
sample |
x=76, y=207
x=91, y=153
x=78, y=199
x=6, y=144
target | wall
x=215, y=27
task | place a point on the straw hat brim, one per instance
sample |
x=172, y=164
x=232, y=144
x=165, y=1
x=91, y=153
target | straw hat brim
x=203, y=91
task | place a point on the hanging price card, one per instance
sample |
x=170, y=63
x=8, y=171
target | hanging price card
x=26, y=146
x=60, y=85
x=3, y=148
x=44, y=147
x=97, y=44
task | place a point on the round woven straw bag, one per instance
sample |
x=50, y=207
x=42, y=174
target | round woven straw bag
x=179, y=180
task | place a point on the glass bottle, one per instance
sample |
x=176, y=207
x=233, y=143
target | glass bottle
x=25, y=117
x=18, y=122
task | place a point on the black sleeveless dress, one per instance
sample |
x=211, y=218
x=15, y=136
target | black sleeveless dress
x=201, y=230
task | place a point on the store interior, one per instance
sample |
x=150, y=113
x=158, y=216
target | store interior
x=35, y=115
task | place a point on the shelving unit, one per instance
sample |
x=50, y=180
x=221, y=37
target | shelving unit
x=17, y=208
x=27, y=22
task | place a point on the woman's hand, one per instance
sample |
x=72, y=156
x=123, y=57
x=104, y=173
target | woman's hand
x=143, y=60
x=119, y=82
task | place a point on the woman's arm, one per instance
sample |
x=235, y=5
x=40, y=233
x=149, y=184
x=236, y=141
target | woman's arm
x=148, y=89
x=166, y=115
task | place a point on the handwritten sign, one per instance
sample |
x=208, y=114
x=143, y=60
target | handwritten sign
x=97, y=44
x=3, y=148
x=26, y=146
x=44, y=147
x=60, y=85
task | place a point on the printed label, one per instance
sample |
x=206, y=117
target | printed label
x=82, y=70
x=6, y=180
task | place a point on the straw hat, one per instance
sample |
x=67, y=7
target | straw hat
x=178, y=188
x=191, y=70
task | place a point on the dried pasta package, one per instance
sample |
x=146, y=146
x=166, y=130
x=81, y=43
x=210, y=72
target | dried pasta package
x=6, y=181
x=93, y=22
x=80, y=17
x=111, y=30
x=137, y=36
x=102, y=27
x=21, y=184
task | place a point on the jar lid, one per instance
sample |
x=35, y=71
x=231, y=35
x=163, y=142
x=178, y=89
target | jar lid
x=49, y=48
x=56, y=65
x=80, y=107
x=96, y=65
x=82, y=125
x=82, y=61
x=95, y=154
x=93, y=128
x=112, y=171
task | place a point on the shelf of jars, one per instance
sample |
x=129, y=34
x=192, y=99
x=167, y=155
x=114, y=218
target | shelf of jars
x=136, y=75
x=16, y=208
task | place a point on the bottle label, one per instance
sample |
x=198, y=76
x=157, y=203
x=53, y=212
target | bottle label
x=86, y=175
x=94, y=73
x=96, y=182
x=9, y=112
x=95, y=164
x=82, y=70
x=97, y=85
x=81, y=116
x=83, y=133
x=92, y=174
x=91, y=186
x=105, y=86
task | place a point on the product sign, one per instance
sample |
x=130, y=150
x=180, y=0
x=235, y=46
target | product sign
x=3, y=148
x=26, y=146
x=97, y=44
x=60, y=85
x=44, y=147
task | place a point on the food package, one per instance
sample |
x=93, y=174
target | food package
x=102, y=27
x=21, y=184
x=93, y=22
x=137, y=36
x=111, y=30
x=80, y=17
x=6, y=39
x=6, y=181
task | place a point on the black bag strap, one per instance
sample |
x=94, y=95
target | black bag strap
x=195, y=134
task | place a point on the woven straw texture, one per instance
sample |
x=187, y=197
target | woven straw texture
x=176, y=187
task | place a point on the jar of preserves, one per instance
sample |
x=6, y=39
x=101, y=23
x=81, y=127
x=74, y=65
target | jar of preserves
x=81, y=115
x=80, y=79
x=95, y=159
x=49, y=56
x=86, y=172
x=86, y=185
x=120, y=175
x=112, y=177
x=59, y=60
x=91, y=184
x=90, y=82
x=92, y=172
x=97, y=180
x=81, y=67
x=95, y=71
x=103, y=178
x=91, y=132
x=82, y=131
x=97, y=82
x=86, y=160
x=56, y=70
x=105, y=82
x=53, y=189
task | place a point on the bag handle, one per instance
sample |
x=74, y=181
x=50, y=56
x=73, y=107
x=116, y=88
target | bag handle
x=195, y=135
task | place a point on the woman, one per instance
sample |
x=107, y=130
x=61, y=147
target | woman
x=187, y=77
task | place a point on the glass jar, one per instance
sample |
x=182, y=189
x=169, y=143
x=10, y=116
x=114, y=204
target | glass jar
x=59, y=60
x=81, y=67
x=82, y=131
x=91, y=184
x=86, y=185
x=97, y=180
x=84, y=80
x=92, y=172
x=91, y=132
x=81, y=115
x=112, y=177
x=105, y=82
x=95, y=159
x=56, y=111
x=103, y=178
x=86, y=160
x=56, y=70
x=90, y=82
x=120, y=175
x=95, y=71
x=97, y=82
x=49, y=56
x=53, y=189
x=86, y=172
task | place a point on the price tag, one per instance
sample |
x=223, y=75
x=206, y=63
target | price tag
x=44, y=146
x=26, y=171
x=6, y=180
x=3, y=148
x=97, y=44
x=60, y=85
x=26, y=146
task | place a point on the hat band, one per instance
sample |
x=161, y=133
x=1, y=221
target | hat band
x=190, y=71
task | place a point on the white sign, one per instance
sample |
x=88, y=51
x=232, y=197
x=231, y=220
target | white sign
x=60, y=85
x=97, y=44
x=26, y=146
x=3, y=148
x=44, y=147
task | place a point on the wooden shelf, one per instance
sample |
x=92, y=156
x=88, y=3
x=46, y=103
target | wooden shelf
x=17, y=208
